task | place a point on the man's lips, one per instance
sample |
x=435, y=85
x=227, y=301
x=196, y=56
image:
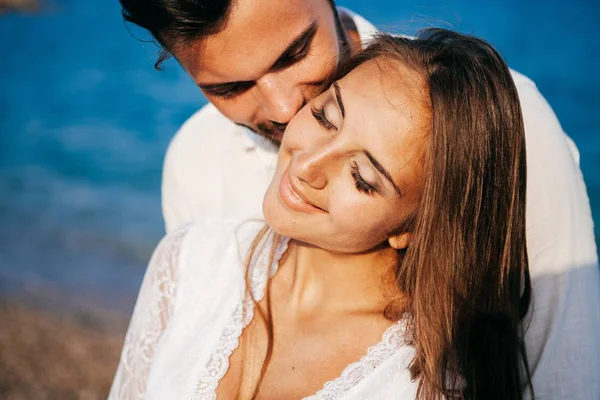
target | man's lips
x=294, y=198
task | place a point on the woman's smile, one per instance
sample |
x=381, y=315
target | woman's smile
x=293, y=198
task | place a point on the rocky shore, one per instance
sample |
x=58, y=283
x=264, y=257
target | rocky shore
x=44, y=355
x=19, y=5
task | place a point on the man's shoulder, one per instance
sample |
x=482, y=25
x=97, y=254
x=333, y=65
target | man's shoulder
x=203, y=135
x=206, y=124
x=523, y=83
x=538, y=115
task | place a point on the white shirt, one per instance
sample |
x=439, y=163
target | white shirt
x=189, y=317
x=216, y=168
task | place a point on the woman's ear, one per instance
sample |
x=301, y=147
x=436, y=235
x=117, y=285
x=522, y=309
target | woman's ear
x=400, y=241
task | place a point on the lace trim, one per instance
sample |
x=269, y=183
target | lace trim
x=154, y=308
x=218, y=364
x=393, y=339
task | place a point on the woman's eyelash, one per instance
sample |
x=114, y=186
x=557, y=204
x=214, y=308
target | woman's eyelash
x=361, y=184
x=319, y=114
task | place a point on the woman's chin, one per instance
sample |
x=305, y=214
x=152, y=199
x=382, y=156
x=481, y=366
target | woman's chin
x=273, y=212
x=276, y=217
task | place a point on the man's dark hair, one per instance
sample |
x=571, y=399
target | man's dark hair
x=176, y=23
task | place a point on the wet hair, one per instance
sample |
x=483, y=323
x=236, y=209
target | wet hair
x=177, y=23
x=464, y=278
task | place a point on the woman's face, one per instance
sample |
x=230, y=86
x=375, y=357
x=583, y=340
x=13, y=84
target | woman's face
x=350, y=166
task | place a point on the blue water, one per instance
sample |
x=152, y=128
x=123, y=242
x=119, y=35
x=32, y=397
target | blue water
x=85, y=121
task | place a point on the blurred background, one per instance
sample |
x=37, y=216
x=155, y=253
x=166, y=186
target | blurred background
x=84, y=124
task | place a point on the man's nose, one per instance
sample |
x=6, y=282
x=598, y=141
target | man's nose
x=281, y=99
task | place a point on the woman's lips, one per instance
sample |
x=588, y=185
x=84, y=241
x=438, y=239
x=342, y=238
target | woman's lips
x=293, y=199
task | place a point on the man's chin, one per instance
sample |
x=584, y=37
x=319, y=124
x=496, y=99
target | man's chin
x=274, y=135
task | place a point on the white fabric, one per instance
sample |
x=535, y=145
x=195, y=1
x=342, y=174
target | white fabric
x=216, y=168
x=189, y=317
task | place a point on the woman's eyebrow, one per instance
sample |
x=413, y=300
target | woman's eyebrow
x=338, y=96
x=380, y=168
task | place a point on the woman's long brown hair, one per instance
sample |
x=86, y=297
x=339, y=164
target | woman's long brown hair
x=465, y=274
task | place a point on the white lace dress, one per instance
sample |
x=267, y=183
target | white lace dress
x=188, y=320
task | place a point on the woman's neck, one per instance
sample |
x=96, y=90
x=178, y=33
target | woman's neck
x=314, y=281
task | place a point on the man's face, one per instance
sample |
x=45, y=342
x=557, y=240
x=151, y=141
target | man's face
x=267, y=62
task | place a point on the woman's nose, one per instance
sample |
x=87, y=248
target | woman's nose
x=311, y=168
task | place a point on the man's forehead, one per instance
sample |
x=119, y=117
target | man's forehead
x=257, y=32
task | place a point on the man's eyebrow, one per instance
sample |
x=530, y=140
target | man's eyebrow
x=306, y=34
x=380, y=168
x=338, y=96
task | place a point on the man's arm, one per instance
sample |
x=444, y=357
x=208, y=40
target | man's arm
x=191, y=180
x=563, y=334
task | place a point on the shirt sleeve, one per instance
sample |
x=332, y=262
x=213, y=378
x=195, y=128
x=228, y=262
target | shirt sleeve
x=191, y=181
x=562, y=332
x=175, y=199
x=151, y=315
x=180, y=173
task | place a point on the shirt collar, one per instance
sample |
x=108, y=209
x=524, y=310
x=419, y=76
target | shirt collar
x=254, y=141
x=250, y=139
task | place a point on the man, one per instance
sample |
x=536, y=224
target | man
x=259, y=61
x=301, y=43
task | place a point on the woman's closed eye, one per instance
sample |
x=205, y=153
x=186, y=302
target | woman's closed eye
x=319, y=113
x=361, y=185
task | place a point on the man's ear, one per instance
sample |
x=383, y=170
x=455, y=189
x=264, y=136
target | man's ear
x=400, y=241
x=351, y=31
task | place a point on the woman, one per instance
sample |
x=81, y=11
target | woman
x=394, y=262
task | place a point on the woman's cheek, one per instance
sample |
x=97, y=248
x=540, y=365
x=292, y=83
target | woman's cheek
x=353, y=215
